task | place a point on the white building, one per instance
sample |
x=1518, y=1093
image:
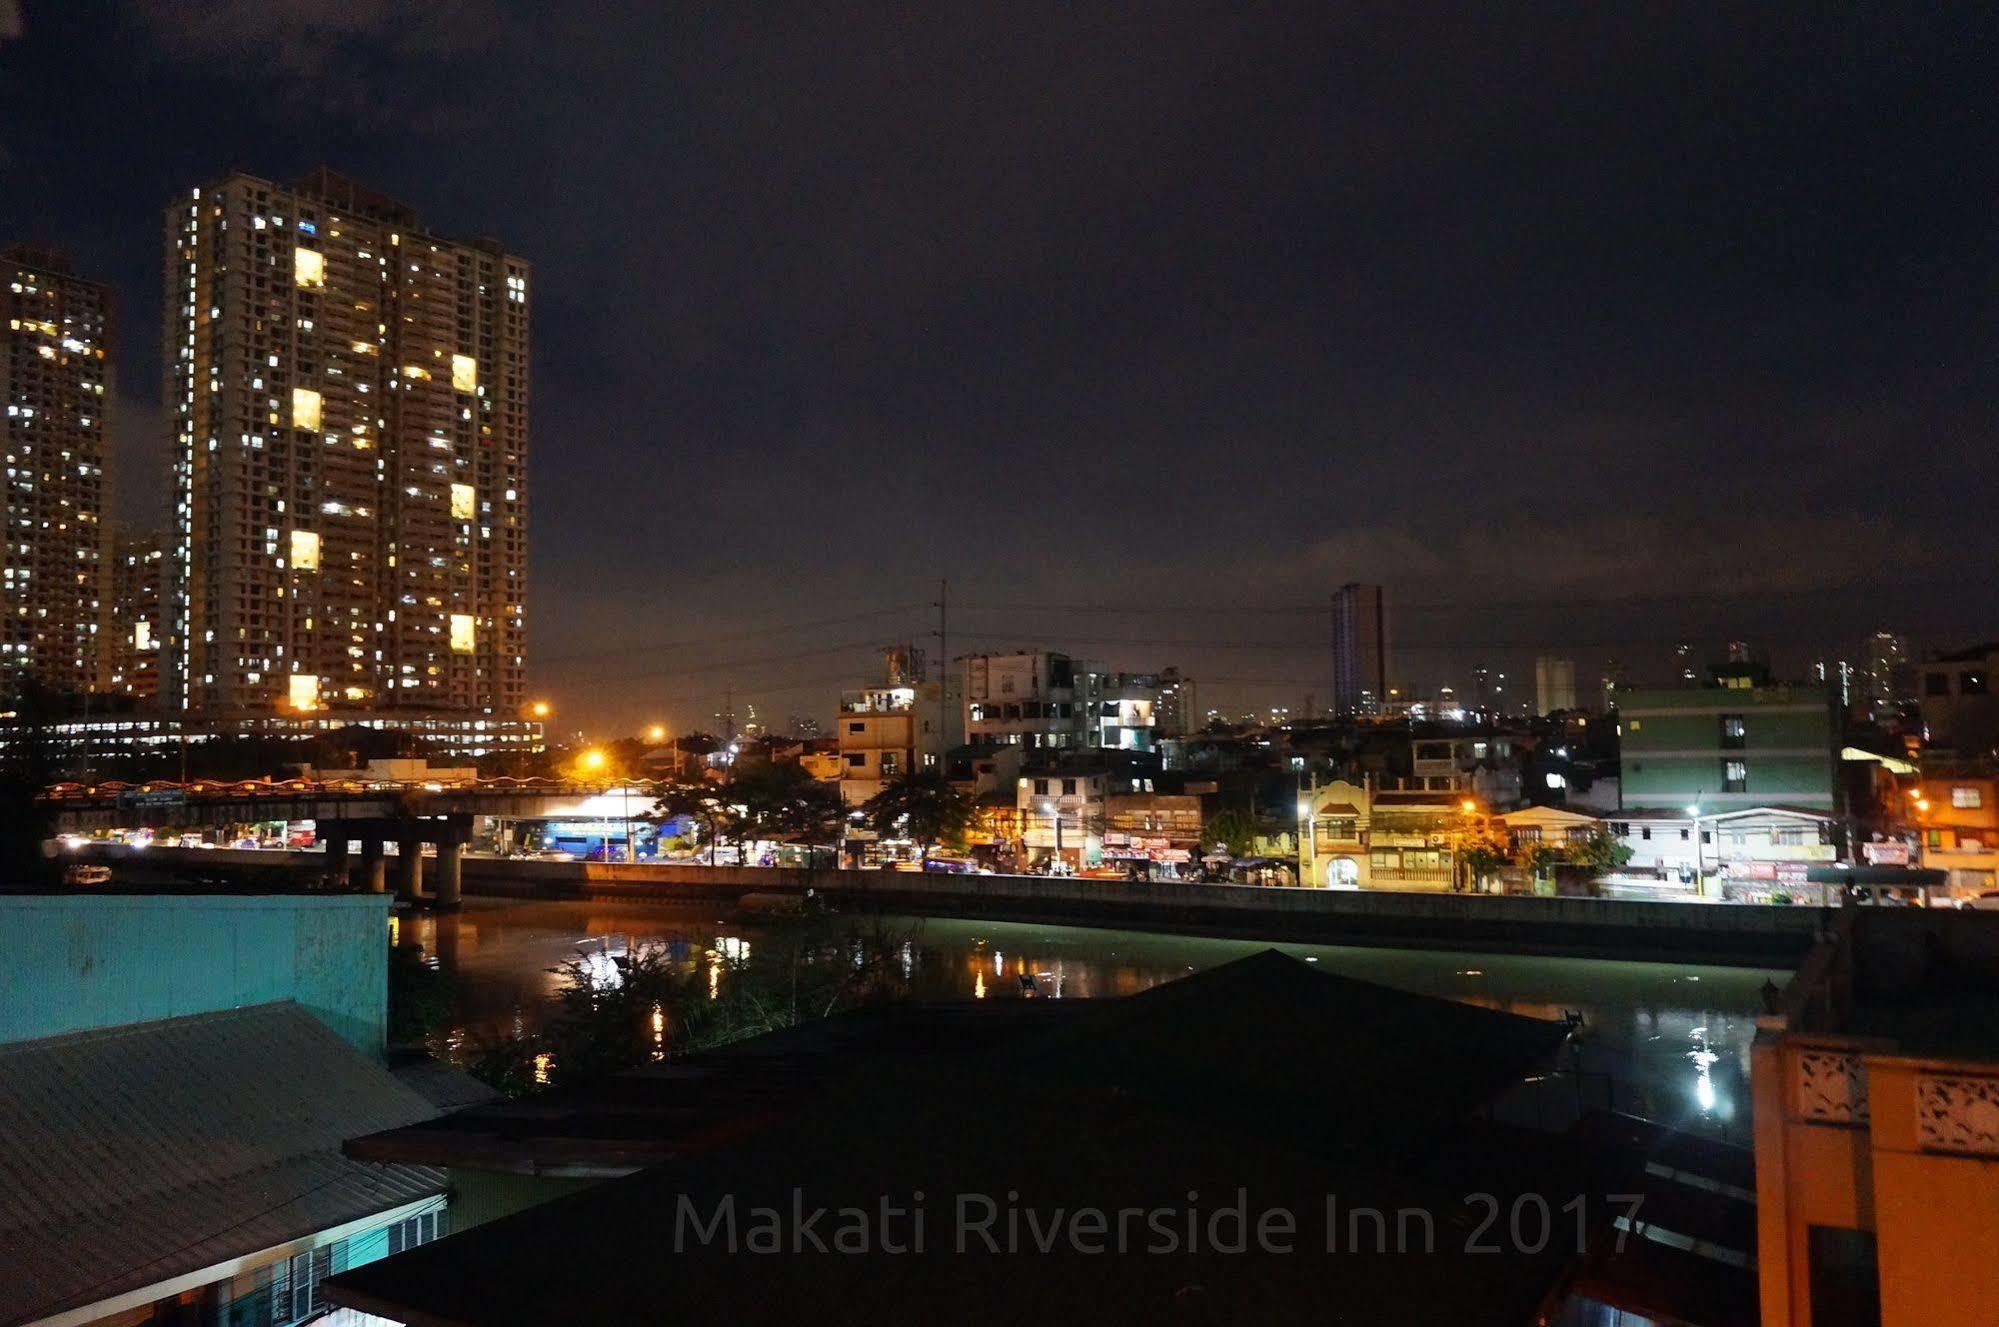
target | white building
x=1750, y=853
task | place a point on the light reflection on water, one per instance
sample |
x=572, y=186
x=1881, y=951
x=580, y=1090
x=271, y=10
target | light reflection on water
x=1673, y=1037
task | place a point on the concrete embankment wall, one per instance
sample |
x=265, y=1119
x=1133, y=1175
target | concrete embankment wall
x=1622, y=928
x=1614, y=928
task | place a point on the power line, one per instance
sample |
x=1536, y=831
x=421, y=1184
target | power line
x=776, y=629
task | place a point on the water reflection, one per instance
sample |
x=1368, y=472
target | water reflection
x=1673, y=1039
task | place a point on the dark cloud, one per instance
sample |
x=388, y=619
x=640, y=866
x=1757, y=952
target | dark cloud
x=1162, y=302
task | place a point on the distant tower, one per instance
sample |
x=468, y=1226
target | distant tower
x=1616, y=680
x=1890, y=673
x=1554, y=684
x=1360, y=649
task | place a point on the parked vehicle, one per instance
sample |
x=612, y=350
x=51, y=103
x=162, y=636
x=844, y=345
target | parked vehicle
x=86, y=873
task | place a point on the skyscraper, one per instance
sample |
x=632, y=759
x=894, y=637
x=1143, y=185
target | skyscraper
x=350, y=404
x=56, y=382
x=1890, y=671
x=1360, y=649
x=135, y=632
x=1554, y=684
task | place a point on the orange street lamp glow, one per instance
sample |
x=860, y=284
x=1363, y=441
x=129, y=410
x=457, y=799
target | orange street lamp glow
x=540, y=709
x=593, y=759
x=656, y=733
x=1467, y=806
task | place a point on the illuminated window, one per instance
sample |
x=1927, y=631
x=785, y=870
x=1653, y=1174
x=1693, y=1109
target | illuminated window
x=464, y=505
x=305, y=408
x=309, y=268
x=302, y=689
x=305, y=550
x=461, y=633
x=142, y=635
x=464, y=373
x=416, y=371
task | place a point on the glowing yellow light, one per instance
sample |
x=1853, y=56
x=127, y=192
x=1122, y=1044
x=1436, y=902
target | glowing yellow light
x=305, y=550
x=416, y=371
x=464, y=373
x=462, y=636
x=302, y=689
x=464, y=502
x=305, y=408
x=543, y=1062
x=592, y=759
x=656, y=733
x=540, y=709
x=1467, y=806
x=309, y=268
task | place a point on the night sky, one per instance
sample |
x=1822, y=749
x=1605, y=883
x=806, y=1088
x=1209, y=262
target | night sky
x=1582, y=327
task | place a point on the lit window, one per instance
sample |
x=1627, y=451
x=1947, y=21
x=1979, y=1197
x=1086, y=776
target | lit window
x=464, y=373
x=302, y=689
x=1966, y=797
x=305, y=550
x=464, y=503
x=305, y=408
x=309, y=268
x=461, y=633
x=142, y=635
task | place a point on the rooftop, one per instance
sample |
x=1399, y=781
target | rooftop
x=1264, y=1076
x=139, y=1153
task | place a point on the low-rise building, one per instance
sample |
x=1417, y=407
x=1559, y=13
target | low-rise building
x=1356, y=836
x=1960, y=710
x=1876, y=1088
x=886, y=733
x=1750, y=854
x=179, y=1074
x=1959, y=820
x=1730, y=746
x=1062, y=815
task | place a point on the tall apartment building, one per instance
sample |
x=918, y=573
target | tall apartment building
x=56, y=382
x=135, y=623
x=1360, y=649
x=350, y=398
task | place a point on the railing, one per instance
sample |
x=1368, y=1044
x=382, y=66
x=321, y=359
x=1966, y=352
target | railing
x=1958, y=1113
x=1829, y=1085
x=223, y=790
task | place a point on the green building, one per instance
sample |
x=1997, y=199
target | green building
x=1731, y=746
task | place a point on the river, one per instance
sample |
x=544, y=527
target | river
x=1672, y=1038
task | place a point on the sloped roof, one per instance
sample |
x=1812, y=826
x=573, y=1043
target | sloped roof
x=134, y=1154
x=1134, y=1103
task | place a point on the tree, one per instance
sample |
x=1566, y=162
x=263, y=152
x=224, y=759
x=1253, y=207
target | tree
x=700, y=802
x=783, y=802
x=1233, y=830
x=1482, y=859
x=1599, y=851
x=923, y=807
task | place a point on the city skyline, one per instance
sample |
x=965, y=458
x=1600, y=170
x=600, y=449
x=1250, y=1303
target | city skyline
x=729, y=342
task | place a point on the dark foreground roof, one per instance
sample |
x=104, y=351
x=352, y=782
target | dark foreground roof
x=1264, y=1078
x=131, y=1155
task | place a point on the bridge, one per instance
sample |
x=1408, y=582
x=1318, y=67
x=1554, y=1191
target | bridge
x=346, y=812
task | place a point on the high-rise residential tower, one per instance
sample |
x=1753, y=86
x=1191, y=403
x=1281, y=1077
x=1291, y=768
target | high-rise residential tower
x=1360, y=649
x=135, y=631
x=350, y=405
x=56, y=363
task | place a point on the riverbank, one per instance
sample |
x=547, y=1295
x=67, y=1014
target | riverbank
x=1734, y=934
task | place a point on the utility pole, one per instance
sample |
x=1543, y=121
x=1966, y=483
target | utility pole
x=943, y=666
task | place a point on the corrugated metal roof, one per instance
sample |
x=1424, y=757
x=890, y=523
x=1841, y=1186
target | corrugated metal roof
x=133, y=1154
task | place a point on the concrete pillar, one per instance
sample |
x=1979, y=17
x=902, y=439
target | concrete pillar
x=409, y=870
x=335, y=832
x=375, y=865
x=450, y=863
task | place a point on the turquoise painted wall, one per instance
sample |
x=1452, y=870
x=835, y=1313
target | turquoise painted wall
x=69, y=962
